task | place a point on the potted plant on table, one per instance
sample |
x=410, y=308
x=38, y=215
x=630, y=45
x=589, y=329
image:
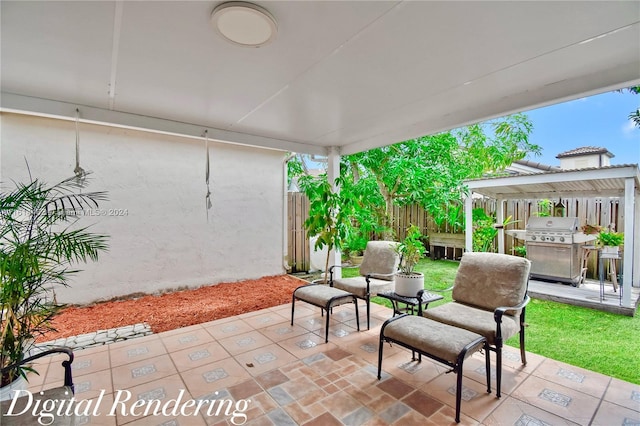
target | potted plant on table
x=38, y=244
x=411, y=250
x=610, y=242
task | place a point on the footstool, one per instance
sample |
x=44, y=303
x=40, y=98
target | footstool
x=324, y=297
x=442, y=342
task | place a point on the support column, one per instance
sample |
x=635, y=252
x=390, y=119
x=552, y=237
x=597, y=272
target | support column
x=629, y=253
x=468, y=222
x=500, y=221
x=333, y=172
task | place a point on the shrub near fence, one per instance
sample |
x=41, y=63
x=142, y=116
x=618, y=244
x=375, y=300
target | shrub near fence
x=592, y=211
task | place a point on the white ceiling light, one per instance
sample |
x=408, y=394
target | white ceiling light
x=244, y=24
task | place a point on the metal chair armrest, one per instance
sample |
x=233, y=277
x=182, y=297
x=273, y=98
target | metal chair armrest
x=499, y=312
x=68, y=381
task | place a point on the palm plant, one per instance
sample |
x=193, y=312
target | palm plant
x=38, y=245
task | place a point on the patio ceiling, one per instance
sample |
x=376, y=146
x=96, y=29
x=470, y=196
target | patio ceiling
x=348, y=74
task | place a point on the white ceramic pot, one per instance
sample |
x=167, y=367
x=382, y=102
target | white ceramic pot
x=6, y=392
x=409, y=285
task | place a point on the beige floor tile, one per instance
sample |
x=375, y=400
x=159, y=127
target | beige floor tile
x=577, y=378
x=302, y=310
x=366, y=347
x=511, y=358
x=623, y=393
x=305, y=345
x=560, y=400
x=341, y=404
x=136, y=351
x=214, y=377
x=339, y=333
x=181, y=330
x=512, y=411
x=612, y=414
x=266, y=318
x=143, y=371
x=95, y=412
x=264, y=359
x=283, y=330
x=414, y=373
x=159, y=395
x=90, y=362
x=253, y=313
x=170, y=420
x=190, y=338
x=311, y=322
x=245, y=342
x=89, y=386
x=197, y=356
x=226, y=329
x=476, y=402
x=474, y=368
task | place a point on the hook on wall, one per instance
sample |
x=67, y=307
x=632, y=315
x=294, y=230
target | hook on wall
x=78, y=171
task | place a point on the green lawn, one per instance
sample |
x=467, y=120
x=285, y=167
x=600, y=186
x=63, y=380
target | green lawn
x=595, y=340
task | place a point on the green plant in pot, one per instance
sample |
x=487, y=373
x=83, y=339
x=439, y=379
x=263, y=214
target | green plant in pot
x=355, y=246
x=39, y=243
x=411, y=250
x=610, y=242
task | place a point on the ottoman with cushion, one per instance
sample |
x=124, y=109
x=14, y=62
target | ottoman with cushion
x=442, y=342
x=324, y=297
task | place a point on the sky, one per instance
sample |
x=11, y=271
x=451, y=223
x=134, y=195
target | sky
x=600, y=120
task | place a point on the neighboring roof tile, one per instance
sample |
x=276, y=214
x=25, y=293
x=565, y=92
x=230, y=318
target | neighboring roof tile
x=585, y=150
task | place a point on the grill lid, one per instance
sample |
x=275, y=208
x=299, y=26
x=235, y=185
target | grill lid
x=556, y=224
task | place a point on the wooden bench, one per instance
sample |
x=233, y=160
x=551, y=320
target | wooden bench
x=442, y=342
x=439, y=243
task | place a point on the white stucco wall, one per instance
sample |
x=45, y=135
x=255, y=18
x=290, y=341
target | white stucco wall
x=164, y=240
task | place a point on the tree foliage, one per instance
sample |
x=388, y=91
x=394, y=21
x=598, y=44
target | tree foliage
x=430, y=170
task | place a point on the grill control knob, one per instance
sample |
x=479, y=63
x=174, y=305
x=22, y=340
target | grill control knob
x=562, y=239
x=552, y=239
x=533, y=238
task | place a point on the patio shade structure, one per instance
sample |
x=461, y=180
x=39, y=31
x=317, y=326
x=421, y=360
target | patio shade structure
x=348, y=75
x=334, y=78
x=614, y=181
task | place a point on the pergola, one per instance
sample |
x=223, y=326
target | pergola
x=615, y=181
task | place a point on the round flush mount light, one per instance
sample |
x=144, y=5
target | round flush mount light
x=244, y=24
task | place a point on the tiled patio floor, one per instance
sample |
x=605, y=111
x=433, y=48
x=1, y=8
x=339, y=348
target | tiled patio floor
x=290, y=376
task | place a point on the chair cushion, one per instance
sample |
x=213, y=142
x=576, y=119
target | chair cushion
x=358, y=286
x=431, y=337
x=491, y=280
x=474, y=319
x=380, y=260
x=320, y=295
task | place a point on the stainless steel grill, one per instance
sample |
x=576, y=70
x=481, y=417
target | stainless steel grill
x=554, y=248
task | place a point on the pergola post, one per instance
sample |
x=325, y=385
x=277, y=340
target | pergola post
x=333, y=172
x=468, y=222
x=500, y=221
x=630, y=254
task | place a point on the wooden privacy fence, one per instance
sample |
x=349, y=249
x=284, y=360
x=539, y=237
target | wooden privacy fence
x=602, y=211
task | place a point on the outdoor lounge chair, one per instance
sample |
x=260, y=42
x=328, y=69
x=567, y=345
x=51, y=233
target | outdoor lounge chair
x=489, y=298
x=379, y=265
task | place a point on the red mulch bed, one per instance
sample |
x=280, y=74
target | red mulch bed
x=178, y=309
